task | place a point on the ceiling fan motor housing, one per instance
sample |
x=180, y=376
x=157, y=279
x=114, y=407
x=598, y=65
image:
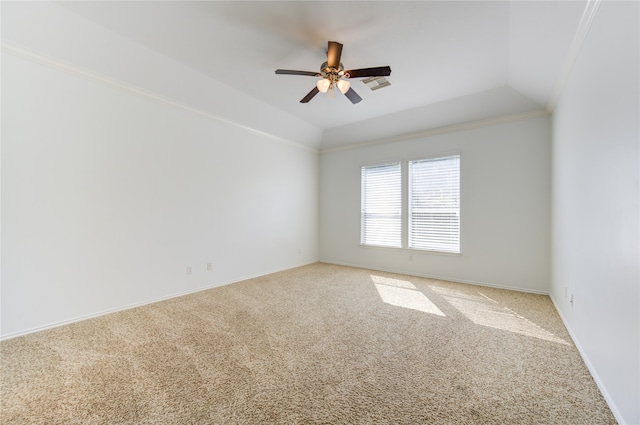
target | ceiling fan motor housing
x=332, y=74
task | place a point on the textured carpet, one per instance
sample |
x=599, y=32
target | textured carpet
x=319, y=344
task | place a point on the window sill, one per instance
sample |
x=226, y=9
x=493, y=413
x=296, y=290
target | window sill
x=430, y=251
x=412, y=251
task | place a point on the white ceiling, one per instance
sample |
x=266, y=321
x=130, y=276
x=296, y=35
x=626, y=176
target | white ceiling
x=451, y=61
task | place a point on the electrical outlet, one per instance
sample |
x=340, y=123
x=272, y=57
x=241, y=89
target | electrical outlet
x=209, y=267
x=188, y=269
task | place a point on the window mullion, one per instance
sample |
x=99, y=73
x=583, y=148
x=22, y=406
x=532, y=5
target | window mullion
x=405, y=205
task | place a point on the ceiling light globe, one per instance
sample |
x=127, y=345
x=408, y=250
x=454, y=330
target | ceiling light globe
x=343, y=86
x=323, y=85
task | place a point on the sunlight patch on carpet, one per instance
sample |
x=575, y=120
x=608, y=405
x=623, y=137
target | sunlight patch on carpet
x=485, y=311
x=402, y=293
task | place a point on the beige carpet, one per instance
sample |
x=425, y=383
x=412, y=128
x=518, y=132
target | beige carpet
x=319, y=344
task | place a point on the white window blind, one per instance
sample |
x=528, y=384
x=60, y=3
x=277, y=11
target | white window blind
x=381, y=210
x=434, y=204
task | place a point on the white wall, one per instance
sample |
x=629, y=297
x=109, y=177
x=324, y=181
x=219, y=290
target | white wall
x=596, y=197
x=107, y=196
x=505, y=183
x=51, y=29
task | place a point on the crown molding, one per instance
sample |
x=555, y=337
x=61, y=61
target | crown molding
x=444, y=130
x=78, y=71
x=588, y=15
x=72, y=69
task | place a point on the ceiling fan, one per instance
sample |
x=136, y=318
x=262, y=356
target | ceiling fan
x=333, y=75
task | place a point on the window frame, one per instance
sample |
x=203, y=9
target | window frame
x=410, y=204
x=362, y=206
x=404, y=237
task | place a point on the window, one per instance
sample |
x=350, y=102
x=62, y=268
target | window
x=433, y=204
x=381, y=211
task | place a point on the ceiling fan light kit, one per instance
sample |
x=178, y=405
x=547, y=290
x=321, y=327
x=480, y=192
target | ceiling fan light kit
x=333, y=75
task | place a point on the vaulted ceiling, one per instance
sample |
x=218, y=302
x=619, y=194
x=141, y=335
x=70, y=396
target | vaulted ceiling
x=452, y=61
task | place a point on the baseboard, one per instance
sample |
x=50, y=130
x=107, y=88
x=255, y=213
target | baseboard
x=143, y=303
x=587, y=362
x=432, y=276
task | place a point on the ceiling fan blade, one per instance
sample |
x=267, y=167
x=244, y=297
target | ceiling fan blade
x=310, y=95
x=353, y=96
x=380, y=71
x=333, y=54
x=293, y=72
